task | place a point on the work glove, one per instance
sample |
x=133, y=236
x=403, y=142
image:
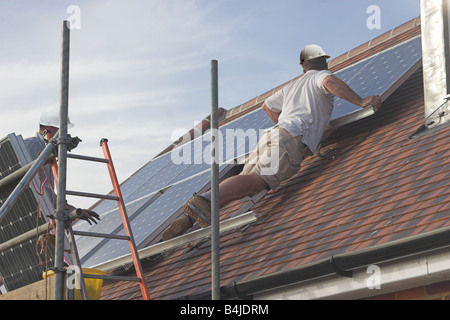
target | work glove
x=89, y=216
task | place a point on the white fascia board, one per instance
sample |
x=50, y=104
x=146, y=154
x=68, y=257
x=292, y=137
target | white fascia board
x=389, y=277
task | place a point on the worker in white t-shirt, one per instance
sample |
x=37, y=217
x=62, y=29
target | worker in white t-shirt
x=301, y=112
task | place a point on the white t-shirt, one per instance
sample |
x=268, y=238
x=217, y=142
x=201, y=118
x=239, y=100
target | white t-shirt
x=306, y=107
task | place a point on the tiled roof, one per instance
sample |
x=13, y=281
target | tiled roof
x=374, y=186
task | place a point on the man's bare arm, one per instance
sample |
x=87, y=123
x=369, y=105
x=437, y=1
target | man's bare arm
x=341, y=90
x=271, y=114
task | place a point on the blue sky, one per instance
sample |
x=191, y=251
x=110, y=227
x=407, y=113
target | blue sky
x=140, y=69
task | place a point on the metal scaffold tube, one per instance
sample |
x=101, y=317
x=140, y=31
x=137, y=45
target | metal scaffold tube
x=62, y=143
x=215, y=246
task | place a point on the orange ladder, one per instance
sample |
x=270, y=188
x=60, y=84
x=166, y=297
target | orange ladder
x=125, y=221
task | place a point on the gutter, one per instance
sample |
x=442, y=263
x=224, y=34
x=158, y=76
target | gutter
x=342, y=265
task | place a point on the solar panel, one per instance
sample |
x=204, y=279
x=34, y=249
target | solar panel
x=20, y=266
x=381, y=74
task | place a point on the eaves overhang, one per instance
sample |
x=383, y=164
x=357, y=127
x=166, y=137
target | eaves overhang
x=342, y=265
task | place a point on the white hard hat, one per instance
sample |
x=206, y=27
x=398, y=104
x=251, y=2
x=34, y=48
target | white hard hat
x=50, y=117
x=312, y=51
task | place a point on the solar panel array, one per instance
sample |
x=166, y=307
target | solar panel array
x=155, y=193
x=20, y=265
x=379, y=73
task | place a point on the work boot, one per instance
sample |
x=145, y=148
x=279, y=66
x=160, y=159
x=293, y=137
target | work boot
x=199, y=208
x=177, y=228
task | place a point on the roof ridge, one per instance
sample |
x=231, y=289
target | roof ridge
x=378, y=41
x=348, y=58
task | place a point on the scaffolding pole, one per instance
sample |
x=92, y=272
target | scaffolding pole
x=215, y=233
x=62, y=143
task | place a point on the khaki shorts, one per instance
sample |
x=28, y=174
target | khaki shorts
x=277, y=158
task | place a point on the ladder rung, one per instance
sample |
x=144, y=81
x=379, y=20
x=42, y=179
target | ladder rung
x=91, y=195
x=109, y=277
x=100, y=235
x=79, y=157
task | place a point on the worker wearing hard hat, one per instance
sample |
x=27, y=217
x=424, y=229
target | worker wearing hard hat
x=48, y=127
x=301, y=111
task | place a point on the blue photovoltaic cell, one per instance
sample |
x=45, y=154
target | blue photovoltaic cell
x=185, y=170
x=376, y=75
